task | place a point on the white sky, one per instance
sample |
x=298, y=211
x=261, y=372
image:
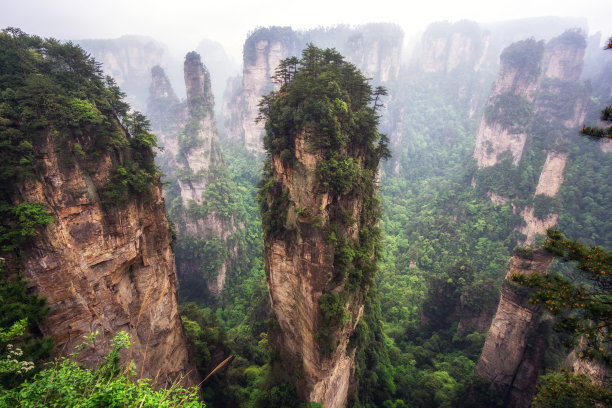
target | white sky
x=183, y=23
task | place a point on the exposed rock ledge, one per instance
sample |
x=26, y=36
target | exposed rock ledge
x=551, y=176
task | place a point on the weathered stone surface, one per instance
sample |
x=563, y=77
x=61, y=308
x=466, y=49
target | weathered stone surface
x=506, y=359
x=563, y=61
x=494, y=139
x=560, y=62
x=534, y=225
x=559, y=68
x=447, y=46
x=551, y=176
x=106, y=270
x=298, y=271
x=596, y=372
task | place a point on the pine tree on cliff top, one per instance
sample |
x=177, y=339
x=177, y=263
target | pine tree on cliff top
x=324, y=107
x=329, y=99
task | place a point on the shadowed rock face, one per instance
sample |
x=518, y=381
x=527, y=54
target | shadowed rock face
x=508, y=360
x=105, y=270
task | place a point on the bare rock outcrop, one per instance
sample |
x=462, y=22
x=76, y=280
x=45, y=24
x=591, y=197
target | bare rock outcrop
x=298, y=271
x=537, y=100
x=551, y=176
x=104, y=269
x=319, y=216
x=530, y=73
x=508, y=360
x=445, y=47
x=515, y=83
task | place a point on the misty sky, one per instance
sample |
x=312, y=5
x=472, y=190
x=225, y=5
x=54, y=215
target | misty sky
x=183, y=23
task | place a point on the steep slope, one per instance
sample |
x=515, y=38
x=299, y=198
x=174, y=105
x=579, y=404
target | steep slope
x=512, y=355
x=105, y=263
x=374, y=48
x=535, y=105
x=319, y=214
x=199, y=193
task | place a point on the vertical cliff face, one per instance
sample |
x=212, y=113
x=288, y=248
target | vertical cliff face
x=168, y=115
x=193, y=160
x=374, y=48
x=536, y=103
x=263, y=50
x=104, y=270
x=105, y=262
x=515, y=84
x=201, y=152
x=512, y=353
x=530, y=76
x=319, y=215
x=299, y=271
x=445, y=47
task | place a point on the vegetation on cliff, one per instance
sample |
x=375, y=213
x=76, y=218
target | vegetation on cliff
x=54, y=94
x=55, y=100
x=329, y=103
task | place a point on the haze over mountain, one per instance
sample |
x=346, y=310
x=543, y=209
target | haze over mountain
x=315, y=208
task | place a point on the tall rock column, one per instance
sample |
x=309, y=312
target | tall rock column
x=199, y=189
x=104, y=263
x=536, y=105
x=513, y=350
x=319, y=214
x=374, y=48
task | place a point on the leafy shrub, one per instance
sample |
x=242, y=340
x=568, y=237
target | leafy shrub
x=65, y=383
x=21, y=222
x=568, y=390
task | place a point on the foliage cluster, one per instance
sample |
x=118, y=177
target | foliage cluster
x=583, y=306
x=328, y=102
x=20, y=340
x=524, y=56
x=567, y=390
x=511, y=111
x=67, y=384
x=55, y=92
x=209, y=253
x=20, y=222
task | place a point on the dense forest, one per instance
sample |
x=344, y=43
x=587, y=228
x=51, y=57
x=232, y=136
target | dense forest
x=416, y=274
